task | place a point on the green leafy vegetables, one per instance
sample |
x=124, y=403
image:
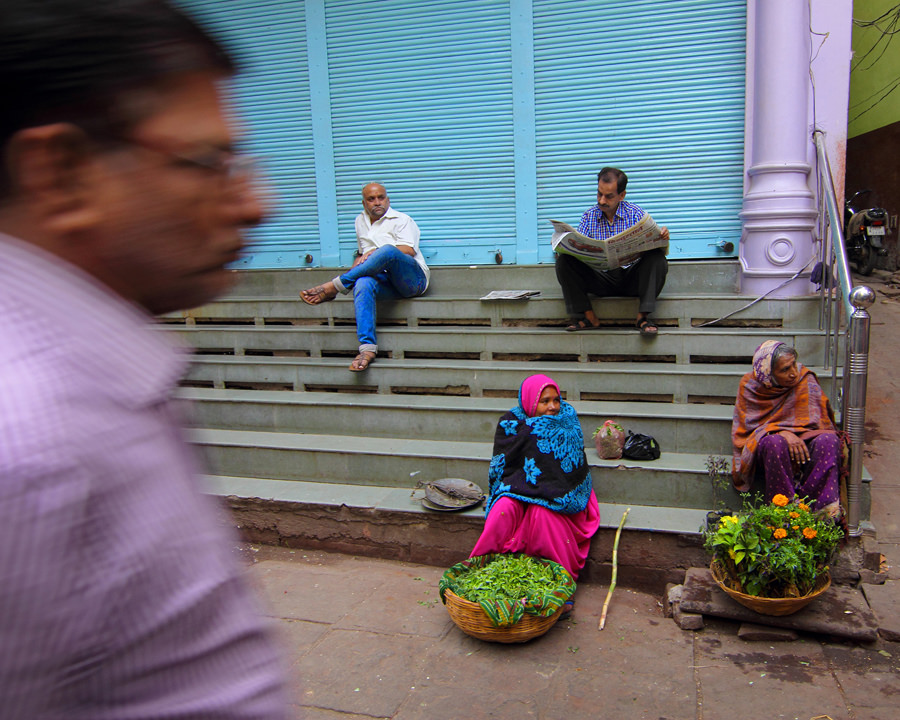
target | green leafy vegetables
x=507, y=578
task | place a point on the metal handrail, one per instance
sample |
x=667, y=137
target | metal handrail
x=838, y=294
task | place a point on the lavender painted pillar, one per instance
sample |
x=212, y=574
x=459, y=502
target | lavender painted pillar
x=779, y=208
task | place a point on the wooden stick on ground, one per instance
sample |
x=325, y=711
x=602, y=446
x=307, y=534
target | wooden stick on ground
x=615, y=569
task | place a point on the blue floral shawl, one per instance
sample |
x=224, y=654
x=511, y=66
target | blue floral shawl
x=541, y=460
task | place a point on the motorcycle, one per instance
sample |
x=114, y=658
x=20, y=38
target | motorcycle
x=864, y=231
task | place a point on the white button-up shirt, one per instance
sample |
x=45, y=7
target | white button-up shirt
x=392, y=228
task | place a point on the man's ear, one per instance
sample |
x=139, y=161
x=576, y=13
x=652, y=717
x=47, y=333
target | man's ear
x=52, y=171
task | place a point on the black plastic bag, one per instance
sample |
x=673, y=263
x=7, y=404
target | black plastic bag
x=640, y=447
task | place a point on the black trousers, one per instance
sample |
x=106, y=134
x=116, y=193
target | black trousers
x=644, y=280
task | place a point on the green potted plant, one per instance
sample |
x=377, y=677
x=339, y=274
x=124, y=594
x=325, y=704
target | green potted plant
x=773, y=552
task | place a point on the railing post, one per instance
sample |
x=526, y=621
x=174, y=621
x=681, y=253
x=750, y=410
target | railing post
x=853, y=406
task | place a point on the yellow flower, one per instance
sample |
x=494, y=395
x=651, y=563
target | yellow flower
x=809, y=533
x=780, y=500
x=795, y=527
x=780, y=532
x=795, y=515
x=731, y=519
x=803, y=506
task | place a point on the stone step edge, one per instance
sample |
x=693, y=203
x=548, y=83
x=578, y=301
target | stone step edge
x=691, y=463
x=681, y=521
x=485, y=330
x=473, y=451
x=449, y=298
x=655, y=410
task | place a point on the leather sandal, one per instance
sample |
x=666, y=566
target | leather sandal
x=647, y=327
x=318, y=294
x=581, y=325
x=362, y=361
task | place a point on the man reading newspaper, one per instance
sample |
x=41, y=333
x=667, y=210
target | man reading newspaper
x=579, y=273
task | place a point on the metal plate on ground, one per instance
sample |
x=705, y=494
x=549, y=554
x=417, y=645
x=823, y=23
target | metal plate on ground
x=451, y=494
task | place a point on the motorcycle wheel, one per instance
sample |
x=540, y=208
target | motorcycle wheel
x=866, y=259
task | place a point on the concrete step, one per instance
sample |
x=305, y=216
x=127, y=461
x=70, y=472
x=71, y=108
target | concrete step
x=548, y=310
x=614, y=381
x=378, y=499
x=677, y=427
x=685, y=276
x=673, y=345
x=675, y=480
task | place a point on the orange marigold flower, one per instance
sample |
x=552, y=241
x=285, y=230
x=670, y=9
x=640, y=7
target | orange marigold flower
x=803, y=506
x=795, y=515
x=780, y=500
x=809, y=533
x=780, y=533
x=795, y=527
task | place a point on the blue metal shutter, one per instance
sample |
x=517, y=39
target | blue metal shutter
x=272, y=98
x=421, y=101
x=655, y=88
x=486, y=118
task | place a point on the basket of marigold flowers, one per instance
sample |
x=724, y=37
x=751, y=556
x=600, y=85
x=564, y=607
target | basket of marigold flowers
x=773, y=557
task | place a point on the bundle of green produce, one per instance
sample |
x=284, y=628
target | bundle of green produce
x=507, y=586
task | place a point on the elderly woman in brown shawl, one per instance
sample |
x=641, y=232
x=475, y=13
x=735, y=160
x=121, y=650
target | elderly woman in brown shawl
x=784, y=432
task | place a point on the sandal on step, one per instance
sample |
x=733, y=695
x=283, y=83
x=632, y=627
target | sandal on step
x=581, y=325
x=647, y=327
x=318, y=294
x=362, y=361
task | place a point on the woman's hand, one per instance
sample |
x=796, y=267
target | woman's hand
x=796, y=447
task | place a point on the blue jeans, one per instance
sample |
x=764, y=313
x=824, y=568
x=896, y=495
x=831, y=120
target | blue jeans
x=387, y=274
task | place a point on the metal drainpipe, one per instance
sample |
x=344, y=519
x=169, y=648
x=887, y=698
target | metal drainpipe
x=853, y=412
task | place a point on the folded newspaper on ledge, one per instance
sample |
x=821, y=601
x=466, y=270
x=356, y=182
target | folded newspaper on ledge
x=613, y=252
x=511, y=294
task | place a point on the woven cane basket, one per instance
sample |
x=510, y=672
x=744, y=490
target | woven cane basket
x=472, y=620
x=769, y=606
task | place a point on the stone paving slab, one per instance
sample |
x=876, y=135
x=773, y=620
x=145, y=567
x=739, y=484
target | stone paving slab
x=869, y=678
x=839, y=612
x=885, y=603
x=367, y=639
x=743, y=680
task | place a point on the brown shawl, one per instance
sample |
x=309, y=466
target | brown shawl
x=760, y=410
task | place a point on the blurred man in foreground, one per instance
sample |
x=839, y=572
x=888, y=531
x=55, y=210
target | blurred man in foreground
x=120, y=196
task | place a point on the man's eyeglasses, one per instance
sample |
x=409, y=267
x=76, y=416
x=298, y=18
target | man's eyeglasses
x=222, y=163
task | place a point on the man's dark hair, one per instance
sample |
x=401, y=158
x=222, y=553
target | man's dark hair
x=76, y=61
x=611, y=174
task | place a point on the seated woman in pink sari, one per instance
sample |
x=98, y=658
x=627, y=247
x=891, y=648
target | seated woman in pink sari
x=783, y=431
x=542, y=500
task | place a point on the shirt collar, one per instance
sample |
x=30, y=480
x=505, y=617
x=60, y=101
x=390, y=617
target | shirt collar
x=619, y=215
x=113, y=338
x=391, y=213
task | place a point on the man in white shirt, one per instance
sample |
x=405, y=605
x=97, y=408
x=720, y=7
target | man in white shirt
x=388, y=265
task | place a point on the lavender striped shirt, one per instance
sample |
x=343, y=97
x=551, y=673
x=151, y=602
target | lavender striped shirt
x=119, y=598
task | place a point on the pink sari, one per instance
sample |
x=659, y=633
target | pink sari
x=514, y=525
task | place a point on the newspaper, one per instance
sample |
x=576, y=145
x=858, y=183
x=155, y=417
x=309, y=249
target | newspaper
x=614, y=252
x=511, y=294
